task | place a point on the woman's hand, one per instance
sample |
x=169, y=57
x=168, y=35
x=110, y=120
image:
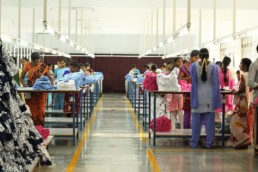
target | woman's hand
x=233, y=91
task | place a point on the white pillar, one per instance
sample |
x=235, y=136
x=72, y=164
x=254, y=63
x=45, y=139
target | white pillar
x=59, y=15
x=174, y=16
x=234, y=17
x=76, y=25
x=164, y=19
x=214, y=19
x=200, y=27
x=81, y=26
x=157, y=26
x=19, y=19
x=69, y=19
x=188, y=14
x=33, y=25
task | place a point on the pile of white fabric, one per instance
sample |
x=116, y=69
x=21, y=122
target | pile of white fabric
x=168, y=82
x=69, y=85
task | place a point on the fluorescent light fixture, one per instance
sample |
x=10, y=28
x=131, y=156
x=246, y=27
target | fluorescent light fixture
x=36, y=47
x=54, y=52
x=170, y=39
x=63, y=38
x=46, y=50
x=67, y=55
x=183, y=31
x=23, y=43
x=252, y=33
x=50, y=30
x=6, y=38
x=161, y=44
x=186, y=51
x=227, y=39
x=149, y=51
x=71, y=43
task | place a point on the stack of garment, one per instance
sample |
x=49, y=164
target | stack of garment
x=99, y=75
x=44, y=132
x=184, y=85
x=91, y=79
x=150, y=81
x=140, y=79
x=20, y=141
x=78, y=77
x=168, y=82
x=128, y=77
x=69, y=85
x=43, y=83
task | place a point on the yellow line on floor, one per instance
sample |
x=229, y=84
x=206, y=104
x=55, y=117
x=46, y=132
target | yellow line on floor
x=85, y=135
x=149, y=153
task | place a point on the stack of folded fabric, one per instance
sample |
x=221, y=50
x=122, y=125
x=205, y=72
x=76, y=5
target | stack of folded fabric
x=150, y=81
x=78, y=77
x=128, y=77
x=69, y=85
x=90, y=79
x=168, y=82
x=43, y=83
x=44, y=132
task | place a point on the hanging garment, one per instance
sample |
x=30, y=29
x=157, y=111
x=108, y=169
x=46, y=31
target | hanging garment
x=20, y=142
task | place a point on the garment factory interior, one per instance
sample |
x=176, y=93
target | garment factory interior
x=128, y=85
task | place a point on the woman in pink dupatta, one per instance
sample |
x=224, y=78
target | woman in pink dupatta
x=227, y=80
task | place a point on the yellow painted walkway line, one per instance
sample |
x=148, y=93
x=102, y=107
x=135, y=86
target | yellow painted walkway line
x=149, y=153
x=77, y=153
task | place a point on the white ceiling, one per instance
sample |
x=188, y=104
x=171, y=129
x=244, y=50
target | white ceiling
x=116, y=18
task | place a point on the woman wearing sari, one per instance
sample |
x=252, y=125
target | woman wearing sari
x=37, y=102
x=240, y=134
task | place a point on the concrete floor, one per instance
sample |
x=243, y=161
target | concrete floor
x=114, y=145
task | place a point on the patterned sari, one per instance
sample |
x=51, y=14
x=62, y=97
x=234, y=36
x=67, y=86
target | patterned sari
x=37, y=102
x=241, y=123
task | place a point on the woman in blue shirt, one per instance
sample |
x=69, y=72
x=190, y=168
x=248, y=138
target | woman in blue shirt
x=205, y=98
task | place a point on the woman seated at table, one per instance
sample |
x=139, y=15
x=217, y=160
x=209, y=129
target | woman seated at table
x=37, y=102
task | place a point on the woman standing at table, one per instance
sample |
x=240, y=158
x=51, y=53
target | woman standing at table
x=240, y=134
x=185, y=75
x=205, y=98
x=37, y=102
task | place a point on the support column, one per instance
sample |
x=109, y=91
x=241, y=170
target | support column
x=59, y=15
x=33, y=25
x=19, y=19
x=214, y=19
x=69, y=19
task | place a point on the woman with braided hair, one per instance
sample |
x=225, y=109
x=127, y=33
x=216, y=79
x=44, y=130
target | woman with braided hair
x=205, y=98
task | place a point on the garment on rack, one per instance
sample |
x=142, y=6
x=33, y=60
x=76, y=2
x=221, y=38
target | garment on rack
x=20, y=142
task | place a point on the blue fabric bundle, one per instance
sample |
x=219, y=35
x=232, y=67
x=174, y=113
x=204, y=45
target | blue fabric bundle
x=99, y=75
x=128, y=77
x=43, y=83
x=78, y=77
x=140, y=78
x=91, y=79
